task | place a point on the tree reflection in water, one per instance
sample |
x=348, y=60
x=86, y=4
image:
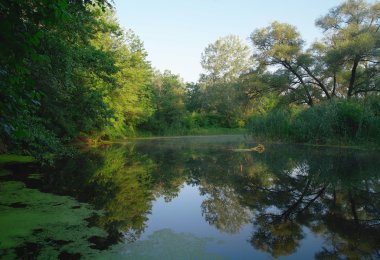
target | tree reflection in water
x=335, y=196
x=333, y=193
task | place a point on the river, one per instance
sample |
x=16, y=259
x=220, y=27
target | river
x=194, y=198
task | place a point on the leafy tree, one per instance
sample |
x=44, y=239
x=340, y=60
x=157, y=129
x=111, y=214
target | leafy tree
x=225, y=60
x=280, y=44
x=223, y=101
x=169, y=102
x=130, y=99
x=344, y=63
x=218, y=95
x=46, y=59
x=68, y=69
x=352, y=42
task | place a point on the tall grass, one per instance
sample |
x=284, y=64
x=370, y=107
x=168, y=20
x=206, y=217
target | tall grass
x=330, y=122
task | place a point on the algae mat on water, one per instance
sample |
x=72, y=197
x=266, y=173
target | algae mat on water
x=12, y=158
x=36, y=224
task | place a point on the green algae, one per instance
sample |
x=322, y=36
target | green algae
x=166, y=244
x=4, y=173
x=28, y=216
x=13, y=158
x=35, y=176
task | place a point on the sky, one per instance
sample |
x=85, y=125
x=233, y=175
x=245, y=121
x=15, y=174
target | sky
x=176, y=32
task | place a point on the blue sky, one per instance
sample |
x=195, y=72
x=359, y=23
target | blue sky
x=175, y=32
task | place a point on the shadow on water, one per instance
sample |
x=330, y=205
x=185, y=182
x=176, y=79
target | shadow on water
x=101, y=201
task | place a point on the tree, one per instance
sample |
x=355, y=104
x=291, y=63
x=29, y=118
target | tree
x=48, y=67
x=169, y=96
x=67, y=70
x=345, y=63
x=352, y=40
x=225, y=59
x=218, y=93
x=280, y=44
x=131, y=99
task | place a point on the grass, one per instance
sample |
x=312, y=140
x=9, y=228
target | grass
x=336, y=122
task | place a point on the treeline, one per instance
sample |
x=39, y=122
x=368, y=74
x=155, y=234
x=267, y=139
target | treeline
x=68, y=71
x=327, y=92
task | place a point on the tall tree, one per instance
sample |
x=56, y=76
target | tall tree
x=130, y=100
x=169, y=96
x=344, y=63
x=226, y=59
x=352, y=39
x=46, y=58
x=280, y=44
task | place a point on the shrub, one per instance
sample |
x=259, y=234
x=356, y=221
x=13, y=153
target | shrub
x=315, y=124
x=274, y=125
x=333, y=121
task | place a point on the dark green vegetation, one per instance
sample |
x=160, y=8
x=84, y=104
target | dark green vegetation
x=69, y=72
x=349, y=122
x=11, y=158
x=337, y=78
x=194, y=197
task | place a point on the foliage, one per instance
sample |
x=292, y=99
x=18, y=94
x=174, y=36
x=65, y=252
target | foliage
x=351, y=45
x=335, y=121
x=168, y=101
x=225, y=59
x=274, y=125
x=46, y=61
x=344, y=63
x=68, y=69
x=130, y=100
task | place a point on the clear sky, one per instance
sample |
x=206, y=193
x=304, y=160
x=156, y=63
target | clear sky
x=175, y=32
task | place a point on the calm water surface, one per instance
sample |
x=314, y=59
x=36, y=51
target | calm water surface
x=194, y=198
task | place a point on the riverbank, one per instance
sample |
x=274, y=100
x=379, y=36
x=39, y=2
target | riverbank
x=105, y=139
x=194, y=132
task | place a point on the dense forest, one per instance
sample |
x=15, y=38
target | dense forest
x=69, y=72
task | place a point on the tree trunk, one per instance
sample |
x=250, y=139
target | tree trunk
x=353, y=77
x=334, y=87
x=320, y=84
x=310, y=99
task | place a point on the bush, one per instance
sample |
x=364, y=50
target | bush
x=333, y=121
x=274, y=125
x=316, y=123
x=29, y=136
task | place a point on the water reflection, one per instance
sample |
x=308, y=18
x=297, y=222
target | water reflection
x=117, y=180
x=282, y=194
x=334, y=193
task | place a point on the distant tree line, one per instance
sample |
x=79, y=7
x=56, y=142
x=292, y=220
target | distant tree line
x=281, y=90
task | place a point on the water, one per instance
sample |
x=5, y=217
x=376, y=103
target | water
x=194, y=198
